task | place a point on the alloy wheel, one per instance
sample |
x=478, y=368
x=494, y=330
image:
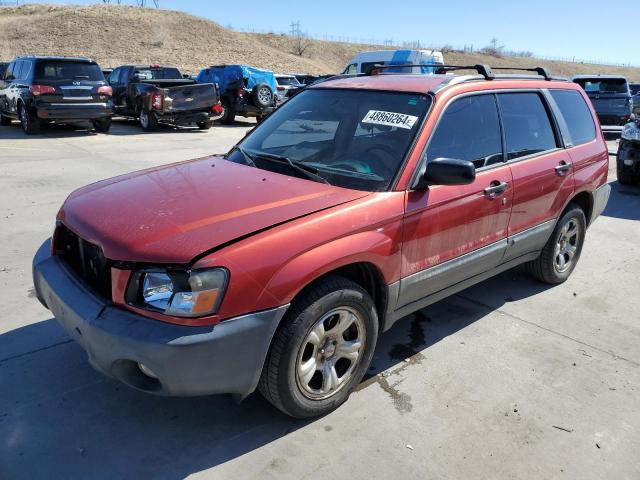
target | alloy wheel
x=567, y=246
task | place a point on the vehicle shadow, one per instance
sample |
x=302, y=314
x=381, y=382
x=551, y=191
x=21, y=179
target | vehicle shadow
x=78, y=424
x=624, y=202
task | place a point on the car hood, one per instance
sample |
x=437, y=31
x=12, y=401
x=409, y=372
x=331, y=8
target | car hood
x=174, y=213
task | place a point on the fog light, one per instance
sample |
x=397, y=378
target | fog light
x=147, y=371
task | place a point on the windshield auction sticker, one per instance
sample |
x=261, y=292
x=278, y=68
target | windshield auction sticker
x=390, y=119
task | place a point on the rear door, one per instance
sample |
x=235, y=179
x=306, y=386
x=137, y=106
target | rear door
x=542, y=169
x=452, y=233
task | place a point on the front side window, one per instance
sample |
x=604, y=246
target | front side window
x=527, y=128
x=66, y=70
x=350, y=138
x=469, y=130
x=576, y=114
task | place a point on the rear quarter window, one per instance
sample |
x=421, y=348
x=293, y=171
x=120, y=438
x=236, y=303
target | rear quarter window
x=576, y=115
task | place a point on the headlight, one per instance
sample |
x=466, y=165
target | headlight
x=631, y=132
x=194, y=293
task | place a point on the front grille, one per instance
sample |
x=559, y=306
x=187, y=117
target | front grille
x=85, y=259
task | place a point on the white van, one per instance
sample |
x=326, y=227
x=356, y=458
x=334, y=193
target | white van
x=365, y=60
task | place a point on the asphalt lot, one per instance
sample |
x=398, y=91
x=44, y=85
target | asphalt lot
x=509, y=379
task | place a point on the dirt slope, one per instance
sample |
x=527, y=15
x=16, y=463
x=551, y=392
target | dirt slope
x=114, y=35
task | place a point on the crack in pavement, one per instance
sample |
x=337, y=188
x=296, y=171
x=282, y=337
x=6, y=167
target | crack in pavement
x=24, y=354
x=546, y=329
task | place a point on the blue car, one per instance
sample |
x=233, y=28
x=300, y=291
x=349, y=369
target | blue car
x=244, y=90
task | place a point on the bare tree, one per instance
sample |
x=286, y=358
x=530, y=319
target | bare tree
x=300, y=40
x=494, y=48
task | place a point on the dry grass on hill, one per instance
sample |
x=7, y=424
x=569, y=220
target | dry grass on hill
x=114, y=35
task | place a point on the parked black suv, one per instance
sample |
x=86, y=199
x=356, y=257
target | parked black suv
x=635, y=97
x=54, y=89
x=610, y=96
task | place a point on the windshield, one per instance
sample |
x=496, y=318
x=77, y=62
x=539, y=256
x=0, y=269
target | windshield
x=158, y=73
x=67, y=70
x=352, y=138
x=609, y=85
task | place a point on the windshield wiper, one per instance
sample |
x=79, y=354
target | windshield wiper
x=298, y=167
x=247, y=158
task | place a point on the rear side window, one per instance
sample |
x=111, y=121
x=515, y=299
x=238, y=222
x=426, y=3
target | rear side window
x=469, y=130
x=527, y=128
x=576, y=114
x=158, y=73
x=64, y=70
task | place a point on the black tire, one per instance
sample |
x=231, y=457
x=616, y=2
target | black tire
x=5, y=121
x=262, y=95
x=624, y=178
x=148, y=120
x=228, y=115
x=548, y=267
x=205, y=125
x=102, y=125
x=30, y=124
x=279, y=382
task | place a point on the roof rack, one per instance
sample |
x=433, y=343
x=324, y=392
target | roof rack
x=484, y=70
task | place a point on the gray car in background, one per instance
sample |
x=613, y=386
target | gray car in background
x=611, y=97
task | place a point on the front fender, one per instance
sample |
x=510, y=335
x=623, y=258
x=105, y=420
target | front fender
x=379, y=248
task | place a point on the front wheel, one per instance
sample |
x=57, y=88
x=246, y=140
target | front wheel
x=206, y=125
x=322, y=349
x=148, y=120
x=624, y=178
x=103, y=125
x=562, y=251
x=228, y=115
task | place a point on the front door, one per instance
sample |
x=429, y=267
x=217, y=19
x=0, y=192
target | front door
x=452, y=233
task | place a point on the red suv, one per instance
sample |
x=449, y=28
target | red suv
x=360, y=201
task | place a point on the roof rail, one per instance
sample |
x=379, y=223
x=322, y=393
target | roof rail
x=484, y=70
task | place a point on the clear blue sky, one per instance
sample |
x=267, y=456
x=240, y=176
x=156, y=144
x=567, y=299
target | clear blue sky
x=583, y=29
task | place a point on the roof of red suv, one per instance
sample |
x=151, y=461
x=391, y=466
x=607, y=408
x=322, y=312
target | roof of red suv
x=414, y=83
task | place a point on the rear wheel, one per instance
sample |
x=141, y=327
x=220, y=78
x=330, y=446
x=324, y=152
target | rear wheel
x=148, y=120
x=29, y=123
x=5, y=121
x=102, y=125
x=205, y=125
x=562, y=251
x=322, y=350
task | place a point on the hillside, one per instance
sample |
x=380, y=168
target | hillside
x=114, y=35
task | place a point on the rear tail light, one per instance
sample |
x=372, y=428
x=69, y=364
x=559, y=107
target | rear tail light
x=217, y=109
x=108, y=91
x=41, y=90
x=157, y=101
x=280, y=88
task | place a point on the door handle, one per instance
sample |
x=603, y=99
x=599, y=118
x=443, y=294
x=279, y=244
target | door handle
x=563, y=168
x=495, y=188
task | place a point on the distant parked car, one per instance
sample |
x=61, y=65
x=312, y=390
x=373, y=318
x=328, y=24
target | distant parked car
x=628, y=158
x=305, y=78
x=107, y=72
x=363, y=62
x=160, y=94
x=244, y=90
x=3, y=68
x=54, y=89
x=610, y=96
x=635, y=92
x=287, y=83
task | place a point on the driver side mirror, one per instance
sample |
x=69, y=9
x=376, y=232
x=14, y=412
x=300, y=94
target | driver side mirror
x=445, y=171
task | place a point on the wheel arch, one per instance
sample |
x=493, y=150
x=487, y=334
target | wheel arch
x=585, y=201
